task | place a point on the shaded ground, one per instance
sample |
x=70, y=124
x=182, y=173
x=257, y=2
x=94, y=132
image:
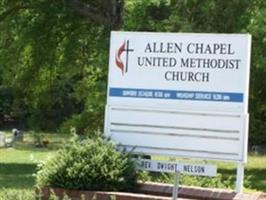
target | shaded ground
x=17, y=175
x=255, y=179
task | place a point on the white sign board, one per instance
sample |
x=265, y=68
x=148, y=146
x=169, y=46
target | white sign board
x=173, y=167
x=179, y=94
x=208, y=72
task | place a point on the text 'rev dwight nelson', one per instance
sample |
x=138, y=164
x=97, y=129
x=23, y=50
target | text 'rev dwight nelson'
x=196, y=69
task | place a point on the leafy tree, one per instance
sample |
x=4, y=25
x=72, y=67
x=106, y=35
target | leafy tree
x=257, y=28
x=50, y=52
x=54, y=54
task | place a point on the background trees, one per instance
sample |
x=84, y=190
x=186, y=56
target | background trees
x=54, y=54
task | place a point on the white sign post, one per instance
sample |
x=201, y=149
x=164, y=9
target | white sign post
x=182, y=95
x=176, y=186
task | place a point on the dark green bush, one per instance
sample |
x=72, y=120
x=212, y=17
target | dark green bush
x=89, y=165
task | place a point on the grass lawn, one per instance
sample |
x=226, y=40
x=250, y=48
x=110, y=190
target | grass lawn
x=255, y=172
x=19, y=163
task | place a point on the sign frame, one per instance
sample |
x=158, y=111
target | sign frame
x=205, y=99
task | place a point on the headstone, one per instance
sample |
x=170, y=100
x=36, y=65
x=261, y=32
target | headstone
x=257, y=149
x=2, y=139
x=17, y=135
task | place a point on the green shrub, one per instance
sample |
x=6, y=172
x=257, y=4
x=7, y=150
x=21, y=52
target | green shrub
x=89, y=165
x=79, y=121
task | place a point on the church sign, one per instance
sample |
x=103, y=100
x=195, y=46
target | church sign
x=179, y=94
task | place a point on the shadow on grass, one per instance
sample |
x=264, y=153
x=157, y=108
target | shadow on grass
x=29, y=146
x=255, y=179
x=17, y=176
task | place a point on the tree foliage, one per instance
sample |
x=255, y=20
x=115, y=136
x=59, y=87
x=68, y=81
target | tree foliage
x=54, y=54
x=50, y=58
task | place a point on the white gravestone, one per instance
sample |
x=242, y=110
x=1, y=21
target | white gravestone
x=2, y=139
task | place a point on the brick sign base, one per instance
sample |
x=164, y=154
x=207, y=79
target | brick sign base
x=198, y=193
x=153, y=191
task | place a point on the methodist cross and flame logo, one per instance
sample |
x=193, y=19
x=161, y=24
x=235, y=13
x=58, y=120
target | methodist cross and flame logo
x=120, y=63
